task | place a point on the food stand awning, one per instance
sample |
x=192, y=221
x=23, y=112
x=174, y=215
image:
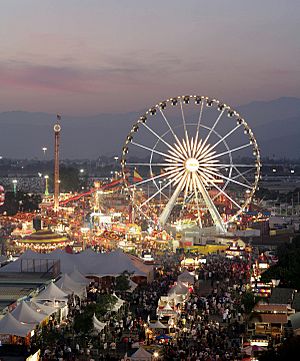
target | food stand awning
x=10, y=326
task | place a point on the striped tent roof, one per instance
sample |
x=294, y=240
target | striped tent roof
x=44, y=236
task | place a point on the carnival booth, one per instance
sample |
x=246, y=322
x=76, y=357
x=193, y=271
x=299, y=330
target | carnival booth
x=133, y=232
x=187, y=278
x=140, y=355
x=11, y=329
x=166, y=311
x=55, y=297
x=191, y=264
x=67, y=285
x=27, y=315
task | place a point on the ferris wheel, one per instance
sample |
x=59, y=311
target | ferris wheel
x=196, y=160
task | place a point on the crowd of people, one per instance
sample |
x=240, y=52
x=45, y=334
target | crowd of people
x=209, y=326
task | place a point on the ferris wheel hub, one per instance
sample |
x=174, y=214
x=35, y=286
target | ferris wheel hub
x=191, y=165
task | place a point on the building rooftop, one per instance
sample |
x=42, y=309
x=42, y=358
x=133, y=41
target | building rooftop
x=296, y=302
x=282, y=296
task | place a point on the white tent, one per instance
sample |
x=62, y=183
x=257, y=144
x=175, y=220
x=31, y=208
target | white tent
x=79, y=277
x=98, y=325
x=52, y=293
x=41, y=308
x=118, y=304
x=187, y=277
x=132, y=285
x=158, y=325
x=179, y=289
x=24, y=313
x=10, y=326
x=141, y=355
x=66, y=284
x=87, y=263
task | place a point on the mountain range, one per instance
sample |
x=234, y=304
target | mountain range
x=276, y=125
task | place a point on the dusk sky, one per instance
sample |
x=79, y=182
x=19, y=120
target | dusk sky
x=87, y=57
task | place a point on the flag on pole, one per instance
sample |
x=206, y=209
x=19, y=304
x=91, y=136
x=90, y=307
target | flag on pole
x=136, y=176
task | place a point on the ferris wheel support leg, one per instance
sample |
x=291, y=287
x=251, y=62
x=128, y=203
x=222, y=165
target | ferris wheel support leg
x=211, y=207
x=170, y=205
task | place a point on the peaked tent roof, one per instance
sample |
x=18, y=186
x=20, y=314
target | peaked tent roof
x=41, y=308
x=51, y=293
x=87, y=263
x=168, y=307
x=24, y=313
x=78, y=277
x=179, y=289
x=157, y=324
x=186, y=276
x=98, y=325
x=66, y=284
x=10, y=326
x=141, y=355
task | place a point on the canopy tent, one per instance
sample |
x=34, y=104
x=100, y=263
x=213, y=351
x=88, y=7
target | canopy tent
x=98, y=325
x=187, y=277
x=141, y=355
x=88, y=263
x=166, y=311
x=132, y=285
x=52, y=293
x=24, y=313
x=41, y=308
x=10, y=326
x=78, y=277
x=66, y=284
x=118, y=304
x=157, y=325
x=179, y=289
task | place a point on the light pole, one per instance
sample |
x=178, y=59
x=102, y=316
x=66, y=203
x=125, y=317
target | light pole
x=44, y=149
x=14, y=182
x=46, y=185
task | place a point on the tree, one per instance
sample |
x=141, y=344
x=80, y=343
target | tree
x=122, y=282
x=289, y=350
x=288, y=267
x=84, y=321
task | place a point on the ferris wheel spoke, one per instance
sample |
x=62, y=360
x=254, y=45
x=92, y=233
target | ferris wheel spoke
x=229, y=151
x=242, y=174
x=153, y=178
x=223, y=138
x=212, y=129
x=154, y=150
x=156, y=193
x=153, y=164
x=170, y=205
x=227, y=178
x=210, y=204
x=197, y=200
x=181, y=149
x=221, y=191
x=157, y=136
x=225, y=165
x=183, y=119
x=200, y=117
x=168, y=124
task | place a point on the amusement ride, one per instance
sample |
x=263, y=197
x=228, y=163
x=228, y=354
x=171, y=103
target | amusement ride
x=197, y=162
